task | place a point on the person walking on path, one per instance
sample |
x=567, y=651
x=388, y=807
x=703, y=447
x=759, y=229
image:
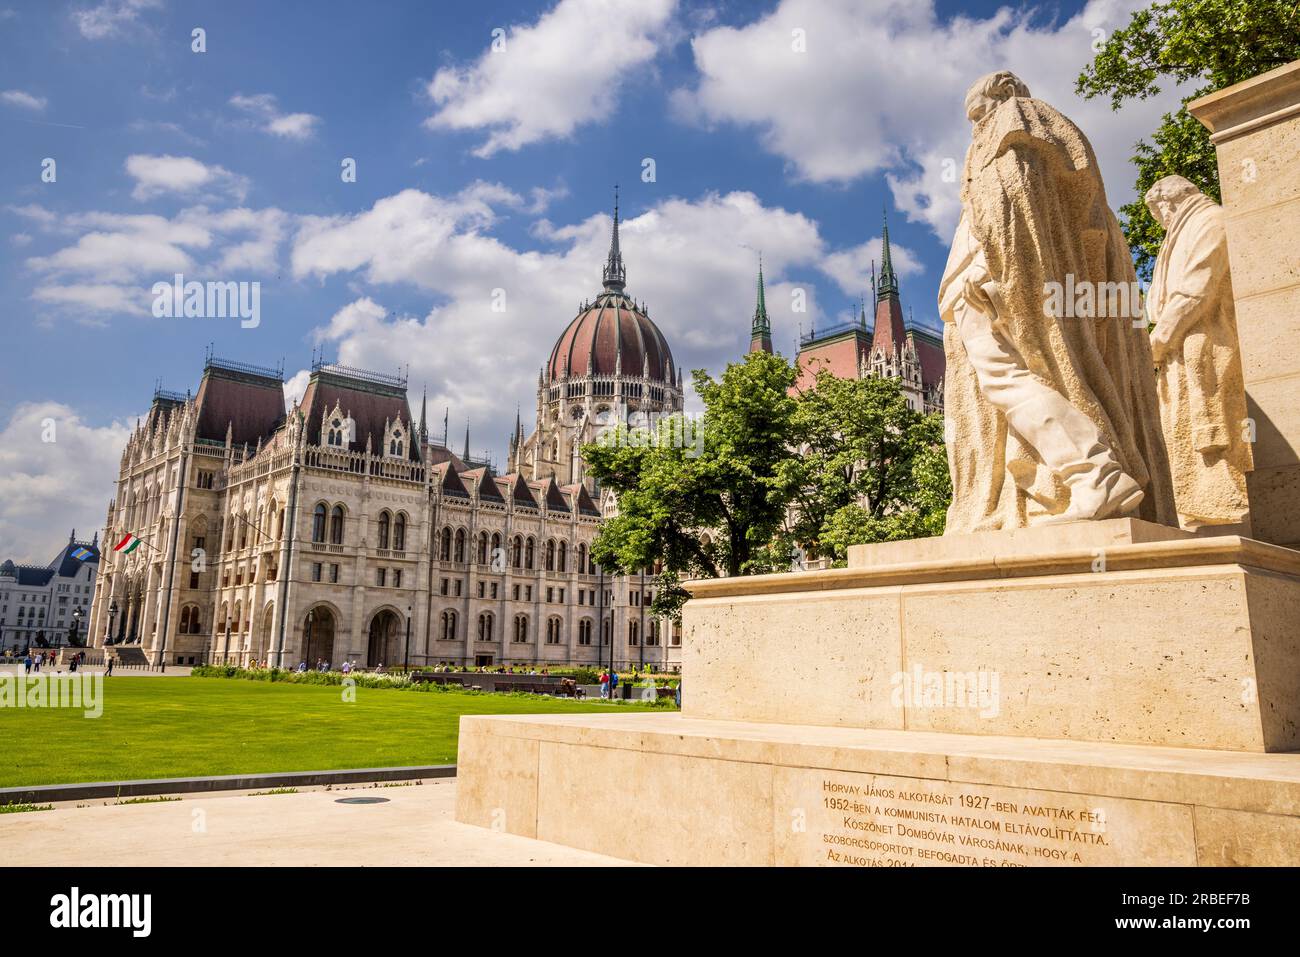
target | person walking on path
x=27, y=664
x=108, y=663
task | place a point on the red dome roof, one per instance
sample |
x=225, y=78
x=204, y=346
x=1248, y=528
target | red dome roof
x=610, y=329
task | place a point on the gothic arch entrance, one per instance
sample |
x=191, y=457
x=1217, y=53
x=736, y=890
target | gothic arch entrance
x=322, y=636
x=385, y=644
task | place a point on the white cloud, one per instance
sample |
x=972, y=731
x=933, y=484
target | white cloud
x=114, y=258
x=158, y=175
x=693, y=262
x=566, y=69
x=24, y=100
x=48, y=488
x=91, y=300
x=21, y=239
x=112, y=17
x=851, y=268
x=264, y=109
x=882, y=84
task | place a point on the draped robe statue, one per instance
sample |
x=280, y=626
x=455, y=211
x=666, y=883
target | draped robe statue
x=1194, y=342
x=1051, y=416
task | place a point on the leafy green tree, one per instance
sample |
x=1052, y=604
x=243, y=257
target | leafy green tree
x=701, y=497
x=869, y=468
x=1208, y=43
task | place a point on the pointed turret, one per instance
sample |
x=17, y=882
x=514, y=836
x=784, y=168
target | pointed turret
x=424, y=411
x=889, y=334
x=760, y=328
x=465, y=454
x=615, y=273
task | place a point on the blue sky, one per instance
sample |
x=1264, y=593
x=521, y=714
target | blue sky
x=477, y=170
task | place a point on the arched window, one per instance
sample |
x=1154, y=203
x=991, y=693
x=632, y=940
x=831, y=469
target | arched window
x=444, y=550
x=279, y=524
x=517, y=552
x=584, y=631
x=223, y=620
x=234, y=626
x=633, y=633
x=562, y=565
x=496, y=548
x=336, y=525
x=460, y=544
x=521, y=629
x=528, y=553
x=399, y=532
x=485, y=626
x=482, y=548
x=318, y=523
x=553, y=626
x=448, y=625
x=550, y=554
x=606, y=628
x=384, y=522
x=582, y=558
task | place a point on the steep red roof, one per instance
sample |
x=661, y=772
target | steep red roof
x=249, y=404
x=368, y=398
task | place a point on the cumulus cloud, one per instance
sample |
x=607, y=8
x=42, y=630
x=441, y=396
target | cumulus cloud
x=184, y=175
x=49, y=487
x=111, y=18
x=551, y=76
x=880, y=89
x=693, y=262
x=851, y=268
x=112, y=259
x=24, y=100
x=264, y=110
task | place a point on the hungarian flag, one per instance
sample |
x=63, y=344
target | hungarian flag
x=127, y=544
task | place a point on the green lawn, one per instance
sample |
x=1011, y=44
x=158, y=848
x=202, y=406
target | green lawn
x=183, y=727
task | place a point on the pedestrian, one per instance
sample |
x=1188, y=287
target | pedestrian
x=27, y=664
x=72, y=665
x=613, y=682
x=604, y=684
x=108, y=662
x=37, y=662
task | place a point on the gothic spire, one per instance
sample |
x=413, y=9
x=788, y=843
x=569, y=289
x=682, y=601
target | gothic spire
x=761, y=326
x=424, y=409
x=615, y=273
x=888, y=279
x=465, y=457
x=760, y=329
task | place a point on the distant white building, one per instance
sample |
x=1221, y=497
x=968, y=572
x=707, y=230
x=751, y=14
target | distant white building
x=38, y=603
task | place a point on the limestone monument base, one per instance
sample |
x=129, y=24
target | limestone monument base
x=1097, y=693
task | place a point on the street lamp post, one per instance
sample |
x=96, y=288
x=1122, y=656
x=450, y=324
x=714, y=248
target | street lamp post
x=76, y=626
x=406, y=657
x=112, y=614
x=308, y=656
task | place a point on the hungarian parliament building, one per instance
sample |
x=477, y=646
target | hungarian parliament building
x=340, y=531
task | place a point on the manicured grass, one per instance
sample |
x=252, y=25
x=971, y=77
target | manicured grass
x=186, y=727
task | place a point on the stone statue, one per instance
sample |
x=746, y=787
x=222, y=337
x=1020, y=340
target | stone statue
x=1194, y=343
x=1050, y=412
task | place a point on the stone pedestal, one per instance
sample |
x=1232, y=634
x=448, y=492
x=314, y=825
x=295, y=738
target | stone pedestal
x=668, y=789
x=1088, y=694
x=1255, y=128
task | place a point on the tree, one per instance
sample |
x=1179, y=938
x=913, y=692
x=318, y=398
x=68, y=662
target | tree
x=869, y=468
x=699, y=497
x=1209, y=43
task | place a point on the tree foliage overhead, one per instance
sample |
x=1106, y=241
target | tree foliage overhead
x=770, y=476
x=1207, y=43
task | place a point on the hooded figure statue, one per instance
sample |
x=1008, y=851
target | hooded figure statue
x=1050, y=400
x=1194, y=342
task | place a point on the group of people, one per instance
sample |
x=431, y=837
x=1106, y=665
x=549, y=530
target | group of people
x=34, y=661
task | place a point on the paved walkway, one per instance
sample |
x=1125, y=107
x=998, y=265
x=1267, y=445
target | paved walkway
x=413, y=827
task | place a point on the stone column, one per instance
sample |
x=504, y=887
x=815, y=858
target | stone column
x=1255, y=128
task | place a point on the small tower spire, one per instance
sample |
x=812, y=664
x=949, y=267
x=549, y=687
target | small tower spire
x=424, y=411
x=888, y=279
x=760, y=329
x=615, y=273
x=465, y=456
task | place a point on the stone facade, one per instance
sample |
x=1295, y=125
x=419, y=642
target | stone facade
x=318, y=534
